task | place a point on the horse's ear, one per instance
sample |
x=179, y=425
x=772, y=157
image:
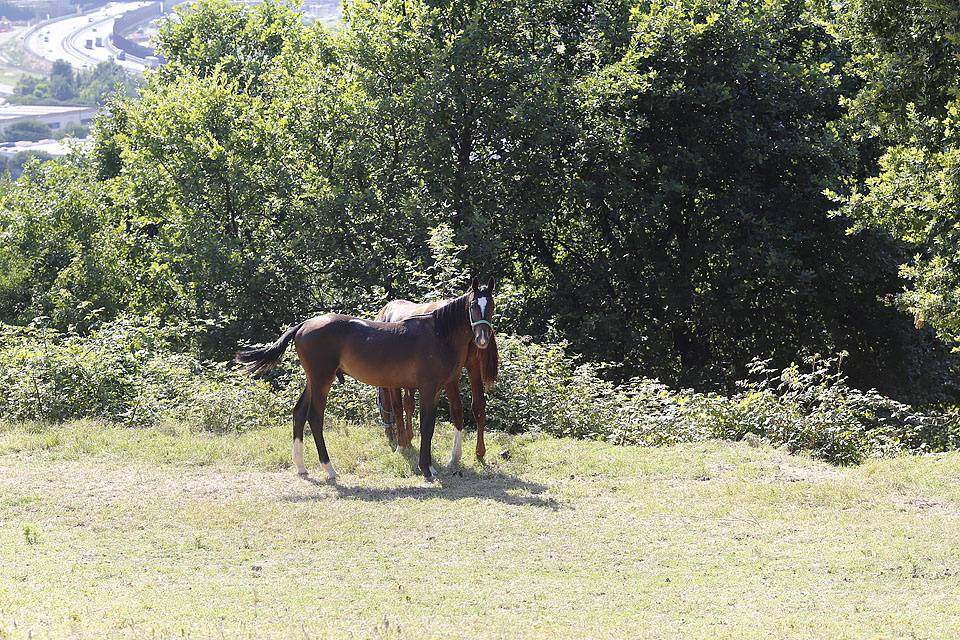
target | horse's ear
x=491, y=283
x=475, y=284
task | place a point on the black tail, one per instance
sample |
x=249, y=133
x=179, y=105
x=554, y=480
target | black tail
x=256, y=360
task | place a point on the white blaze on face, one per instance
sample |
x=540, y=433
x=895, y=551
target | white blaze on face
x=328, y=467
x=482, y=303
x=457, y=446
x=298, y=455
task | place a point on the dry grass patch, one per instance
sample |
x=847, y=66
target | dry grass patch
x=108, y=532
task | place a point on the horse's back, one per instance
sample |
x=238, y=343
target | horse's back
x=400, y=310
x=333, y=328
x=384, y=354
x=396, y=310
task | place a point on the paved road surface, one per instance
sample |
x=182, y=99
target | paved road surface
x=66, y=38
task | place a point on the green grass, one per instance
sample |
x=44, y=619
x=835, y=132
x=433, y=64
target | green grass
x=110, y=532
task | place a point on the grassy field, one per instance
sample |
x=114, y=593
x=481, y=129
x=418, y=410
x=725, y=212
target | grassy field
x=109, y=532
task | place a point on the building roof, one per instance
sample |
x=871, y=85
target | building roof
x=15, y=111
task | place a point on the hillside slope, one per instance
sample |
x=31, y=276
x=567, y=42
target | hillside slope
x=111, y=532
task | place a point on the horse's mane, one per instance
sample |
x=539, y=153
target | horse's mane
x=489, y=362
x=451, y=316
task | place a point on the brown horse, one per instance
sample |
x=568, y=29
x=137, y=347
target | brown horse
x=424, y=352
x=396, y=408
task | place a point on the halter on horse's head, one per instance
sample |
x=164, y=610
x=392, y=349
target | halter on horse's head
x=480, y=311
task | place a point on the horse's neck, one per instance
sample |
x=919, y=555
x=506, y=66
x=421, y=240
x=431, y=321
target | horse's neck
x=462, y=336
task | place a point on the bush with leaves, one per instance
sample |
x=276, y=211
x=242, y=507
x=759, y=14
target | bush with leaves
x=125, y=372
x=129, y=372
x=816, y=410
x=811, y=409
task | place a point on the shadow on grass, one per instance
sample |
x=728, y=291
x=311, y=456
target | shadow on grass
x=461, y=485
x=456, y=483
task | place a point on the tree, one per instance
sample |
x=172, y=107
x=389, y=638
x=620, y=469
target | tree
x=648, y=179
x=217, y=35
x=62, y=83
x=97, y=85
x=908, y=57
x=31, y=130
x=60, y=251
x=15, y=164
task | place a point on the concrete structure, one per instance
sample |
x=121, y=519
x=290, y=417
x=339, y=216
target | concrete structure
x=126, y=23
x=53, y=147
x=56, y=117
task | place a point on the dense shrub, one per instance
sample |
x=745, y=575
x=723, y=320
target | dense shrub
x=130, y=373
x=541, y=390
x=817, y=410
x=812, y=409
x=127, y=373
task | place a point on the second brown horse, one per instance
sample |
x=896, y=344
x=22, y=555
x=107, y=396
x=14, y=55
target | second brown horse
x=424, y=352
x=482, y=363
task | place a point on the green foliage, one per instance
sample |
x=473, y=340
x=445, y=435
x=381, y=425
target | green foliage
x=140, y=375
x=92, y=86
x=130, y=373
x=647, y=180
x=31, y=130
x=817, y=410
x=907, y=56
x=812, y=409
x=61, y=250
x=125, y=373
x=218, y=37
x=98, y=84
x=31, y=534
x=62, y=83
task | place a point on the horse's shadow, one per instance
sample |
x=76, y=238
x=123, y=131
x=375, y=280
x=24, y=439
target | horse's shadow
x=456, y=483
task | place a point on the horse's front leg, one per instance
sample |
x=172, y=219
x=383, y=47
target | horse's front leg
x=456, y=415
x=396, y=401
x=479, y=405
x=428, y=419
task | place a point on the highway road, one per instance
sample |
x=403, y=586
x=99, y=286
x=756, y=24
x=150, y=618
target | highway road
x=65, y=39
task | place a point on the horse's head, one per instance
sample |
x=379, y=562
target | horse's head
x=480, y=311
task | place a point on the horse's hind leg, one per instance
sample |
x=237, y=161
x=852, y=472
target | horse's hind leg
x=395, y=398
x=300, y=412
x=315, y=416
x=408, y=407
x=388, y=414
x=456, y=415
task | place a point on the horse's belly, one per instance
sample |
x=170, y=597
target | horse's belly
x=392, y=374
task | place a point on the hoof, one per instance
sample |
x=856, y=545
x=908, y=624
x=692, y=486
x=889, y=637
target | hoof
x=303, y=474
x=331, y=472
